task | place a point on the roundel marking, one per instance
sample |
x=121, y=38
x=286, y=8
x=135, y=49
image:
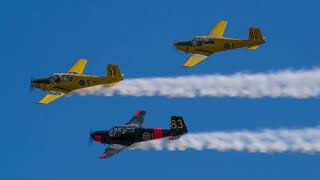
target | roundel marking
x=82, y=82
x=146, y=136
x=116, y=146
x=55, y=93
x=226, y=45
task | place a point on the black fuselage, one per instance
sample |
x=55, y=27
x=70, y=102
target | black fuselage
x=129, y=135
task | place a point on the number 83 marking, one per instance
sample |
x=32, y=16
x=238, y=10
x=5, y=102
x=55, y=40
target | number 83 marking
x=176, y=124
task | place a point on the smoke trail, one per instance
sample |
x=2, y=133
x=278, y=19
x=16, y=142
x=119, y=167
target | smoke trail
x=287, y=83
x=265, y=141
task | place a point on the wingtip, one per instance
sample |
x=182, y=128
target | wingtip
x=185, y=66
x=103, y=155
x=82, y=59
x=141, y=112
x=224, y=20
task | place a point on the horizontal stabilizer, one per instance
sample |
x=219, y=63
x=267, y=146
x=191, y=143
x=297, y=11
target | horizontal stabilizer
x=174, y=137
x=253, y=47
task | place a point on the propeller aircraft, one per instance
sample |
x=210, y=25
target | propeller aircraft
x=60, y=84
x=121, y=137
x=203, y=46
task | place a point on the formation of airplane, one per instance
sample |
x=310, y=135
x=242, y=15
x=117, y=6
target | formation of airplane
x=203, y=46
x=60, y=84
x=121, y=137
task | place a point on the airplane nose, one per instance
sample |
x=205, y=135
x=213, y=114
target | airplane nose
x=41, y=81
x=177, y=45
x=94, y=136
x=183, y=43
x=33, y=83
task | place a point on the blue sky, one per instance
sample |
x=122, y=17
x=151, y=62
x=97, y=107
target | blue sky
x=50, y=142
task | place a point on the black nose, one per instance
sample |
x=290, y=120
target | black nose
x=42, y=81
x=183, y=43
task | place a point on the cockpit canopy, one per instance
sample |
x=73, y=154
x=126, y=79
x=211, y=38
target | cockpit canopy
x=117, y=131
x=196, y=41
x=57, y=78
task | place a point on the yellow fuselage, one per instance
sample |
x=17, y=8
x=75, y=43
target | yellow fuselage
x=207, y=45
x=68, y=82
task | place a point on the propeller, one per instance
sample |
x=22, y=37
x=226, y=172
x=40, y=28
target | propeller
x=90, y=138
x=31, y=88
x=174, y=45
x=174, y=48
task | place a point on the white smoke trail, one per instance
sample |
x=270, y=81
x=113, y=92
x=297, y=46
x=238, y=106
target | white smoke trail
x=286, y=83
x=265, y=141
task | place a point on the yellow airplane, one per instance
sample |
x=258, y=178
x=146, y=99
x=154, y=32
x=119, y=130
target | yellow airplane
x=203, y=46
x=60, y=84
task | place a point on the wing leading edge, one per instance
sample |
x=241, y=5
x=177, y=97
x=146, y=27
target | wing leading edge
x=218, y=30
x=194, y=59
x=78, y=67
x=53, y=95
x=137, y=119
x=112, y=150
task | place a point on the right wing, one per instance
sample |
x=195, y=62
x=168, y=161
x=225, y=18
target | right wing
x=112, y=150
x=218, y=30
x=194, y=59
x=137, y=119
x=53, y=95
x=78, y=67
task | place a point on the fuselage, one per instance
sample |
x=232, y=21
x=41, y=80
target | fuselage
x=67, y=81
x=129, y=135
x=208, y=44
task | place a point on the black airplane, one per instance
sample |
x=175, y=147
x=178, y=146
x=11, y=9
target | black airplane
x=121, y=137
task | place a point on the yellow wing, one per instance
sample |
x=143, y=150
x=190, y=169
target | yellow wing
x=218, y=30
x=194, y=59
x=78, y=67
x=53, y=95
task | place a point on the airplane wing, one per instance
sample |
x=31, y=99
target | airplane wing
x=194, y=59
x=218, y=30
x=78, y=67
x=112, y=150
x=137, y=119
x=53, y=95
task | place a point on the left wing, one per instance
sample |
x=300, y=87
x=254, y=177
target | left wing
x=53, y=95
x=137, y=119
x=78, y=67
x=112, y=150
x=194, y=59
x=218, y=30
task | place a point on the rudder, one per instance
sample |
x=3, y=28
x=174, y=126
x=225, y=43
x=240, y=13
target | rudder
x=178, y=127
x=113, y=75
x=255, y=36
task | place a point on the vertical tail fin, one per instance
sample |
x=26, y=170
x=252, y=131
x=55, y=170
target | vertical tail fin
x=113, y=75
x=255, y=38
x=178, y=127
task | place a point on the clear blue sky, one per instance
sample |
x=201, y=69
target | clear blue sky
x=50, y=142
